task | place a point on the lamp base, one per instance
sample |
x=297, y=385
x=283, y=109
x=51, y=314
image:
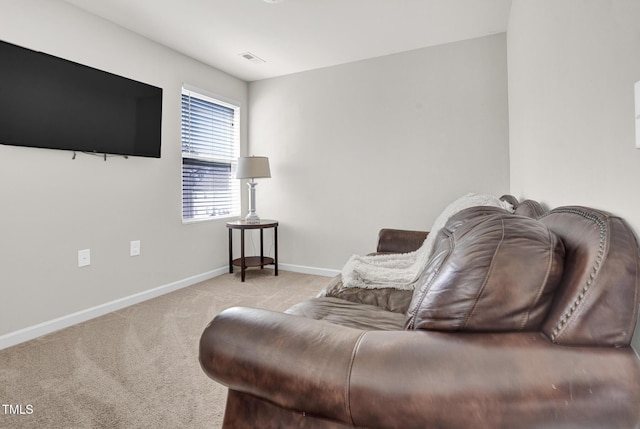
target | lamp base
x=252, y=218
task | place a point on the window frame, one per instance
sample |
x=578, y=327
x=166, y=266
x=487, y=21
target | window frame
x=214, y=161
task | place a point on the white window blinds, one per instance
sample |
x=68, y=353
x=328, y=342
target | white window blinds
x=210, y=150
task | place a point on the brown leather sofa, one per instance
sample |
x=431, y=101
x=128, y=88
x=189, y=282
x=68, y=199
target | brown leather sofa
x=519, y=321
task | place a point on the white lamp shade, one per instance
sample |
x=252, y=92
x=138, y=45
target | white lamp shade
x=253, y=167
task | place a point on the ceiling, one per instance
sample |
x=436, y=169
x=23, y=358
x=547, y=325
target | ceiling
x=298, y=35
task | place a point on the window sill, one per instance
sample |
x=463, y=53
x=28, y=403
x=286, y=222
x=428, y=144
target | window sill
x=210, y=219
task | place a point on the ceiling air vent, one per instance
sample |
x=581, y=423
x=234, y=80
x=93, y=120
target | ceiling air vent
x=254, y=59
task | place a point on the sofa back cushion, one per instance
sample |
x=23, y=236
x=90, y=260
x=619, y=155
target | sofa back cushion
x=490, y=271
x=597, y=303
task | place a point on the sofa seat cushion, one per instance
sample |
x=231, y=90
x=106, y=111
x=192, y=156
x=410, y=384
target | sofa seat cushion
x=348, y=313
x=489, y=272
x=390, y=299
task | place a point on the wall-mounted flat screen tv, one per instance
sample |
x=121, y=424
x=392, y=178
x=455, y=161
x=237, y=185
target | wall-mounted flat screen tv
x=49, y=102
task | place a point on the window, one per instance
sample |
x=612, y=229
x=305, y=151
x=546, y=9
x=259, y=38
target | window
x=210, y=150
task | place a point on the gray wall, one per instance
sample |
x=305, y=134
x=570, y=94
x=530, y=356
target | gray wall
x=53, y=206
x=357, y=147
x=386, y=142
x=572, y=68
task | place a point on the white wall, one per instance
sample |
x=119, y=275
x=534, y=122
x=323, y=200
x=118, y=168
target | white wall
x=572, y=68
x=386, y=142
x=53, y=206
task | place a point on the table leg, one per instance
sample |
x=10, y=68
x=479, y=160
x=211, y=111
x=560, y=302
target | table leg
x=261, y=250
x=242, y=260
x=230, y=251
x=275, y=256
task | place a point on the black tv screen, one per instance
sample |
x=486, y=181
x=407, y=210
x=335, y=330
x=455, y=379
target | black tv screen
x=49, y=102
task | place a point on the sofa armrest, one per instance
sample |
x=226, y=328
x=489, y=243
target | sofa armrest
x=399, y=240
x=421, y=378
x=293, y=362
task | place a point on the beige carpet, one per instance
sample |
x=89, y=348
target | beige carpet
x=137, y=367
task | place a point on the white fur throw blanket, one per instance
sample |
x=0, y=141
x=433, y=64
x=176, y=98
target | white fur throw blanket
x=402, y=270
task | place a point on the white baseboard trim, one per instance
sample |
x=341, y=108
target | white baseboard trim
x=326, y=272
x=32, y=332
x=35, y=331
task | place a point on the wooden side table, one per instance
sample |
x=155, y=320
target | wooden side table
x=252, y=261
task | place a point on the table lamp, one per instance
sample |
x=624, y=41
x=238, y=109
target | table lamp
x=252, y=167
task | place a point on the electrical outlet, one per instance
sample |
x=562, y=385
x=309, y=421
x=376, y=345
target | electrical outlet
x=134, y=248
x=84, y=257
